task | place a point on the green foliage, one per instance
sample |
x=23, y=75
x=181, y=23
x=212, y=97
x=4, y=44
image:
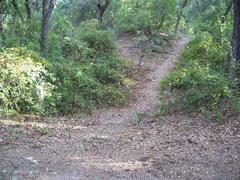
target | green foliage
x=25, y=86
x=95, y=38
x=91, y=73
x=85, y=86
x=237, y=107
x=206, y=52
x=75, y=49
x=195, y=87
x=85, y=42
x=210, y=20
x=199, y=81
x=84, y=72
x=78, y=11
x=84, y=69
x=154, y=14
x=27, y=36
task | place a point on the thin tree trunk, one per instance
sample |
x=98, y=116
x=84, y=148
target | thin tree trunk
x=102, y=9
x=47, y=8
x=44, y=36
x=100, y=15
x=28, y=8
x=236, y=37
x=177, y=24
x=1, y=18
x=230, y=59
x=180, y=15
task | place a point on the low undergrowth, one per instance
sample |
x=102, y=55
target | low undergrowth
x=82, y=72
x=25, y=84
x=200, y=82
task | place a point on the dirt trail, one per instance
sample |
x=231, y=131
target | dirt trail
x=110, y=145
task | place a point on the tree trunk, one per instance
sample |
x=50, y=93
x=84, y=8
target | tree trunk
x=47, y=8
x=44, y=36
x=236, y=37
x=102, y=9
x=180, y=15
x=1, y=18
x=28, y=8
x=100, y=15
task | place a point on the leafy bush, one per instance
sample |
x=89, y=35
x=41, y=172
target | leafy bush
x=76, y=49
x=90, y=72
x=199, y=81
x=205, y=51
x=194, y=88
x=84, y=72
x=134, y=15
x=85, y=42
x=99, y=40
x=81, y=87
x=24, y=82
x=14, y=36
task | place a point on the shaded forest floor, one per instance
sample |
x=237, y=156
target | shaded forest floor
x=116, y=143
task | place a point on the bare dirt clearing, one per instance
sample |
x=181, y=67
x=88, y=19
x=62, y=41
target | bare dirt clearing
x=109, y=144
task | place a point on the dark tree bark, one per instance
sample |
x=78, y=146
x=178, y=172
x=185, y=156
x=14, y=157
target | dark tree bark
x=47, y=9
x=28, y=8
x=236, y=37
x=1, y=17
x=180, y=15
x=230, y=60
x=101, y=9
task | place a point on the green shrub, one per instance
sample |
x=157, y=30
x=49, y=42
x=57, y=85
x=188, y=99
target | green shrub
x=199, y=81
x=73, y=86
x=76, y=49
x=89, y=72
x=204, y=51
x=99, y=40
x=94, y=74
x=194, y=88
x=85, y=42
x=85, y=86
x=24, y=82
x=84, y=72
x=64, y=42
x=14, y=36
x=237, y=107
x=106, y=75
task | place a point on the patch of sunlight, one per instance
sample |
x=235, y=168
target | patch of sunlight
x=108, y=164
x=41, y=125
x=129, y=82
x=119, y=166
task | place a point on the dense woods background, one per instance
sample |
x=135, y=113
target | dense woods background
x=61, y=56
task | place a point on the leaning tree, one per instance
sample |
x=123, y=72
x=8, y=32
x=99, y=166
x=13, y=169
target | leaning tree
x=102, y=7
